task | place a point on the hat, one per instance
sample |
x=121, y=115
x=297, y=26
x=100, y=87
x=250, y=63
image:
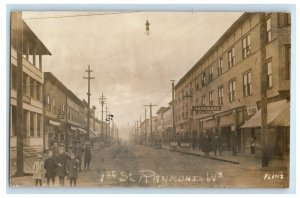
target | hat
x=39, y=156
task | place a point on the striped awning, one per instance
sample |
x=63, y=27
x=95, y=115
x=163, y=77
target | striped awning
x=278, y=115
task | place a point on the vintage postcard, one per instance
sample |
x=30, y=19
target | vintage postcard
x=149, y=99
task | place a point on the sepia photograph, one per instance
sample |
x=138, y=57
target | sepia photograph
x=149, y=99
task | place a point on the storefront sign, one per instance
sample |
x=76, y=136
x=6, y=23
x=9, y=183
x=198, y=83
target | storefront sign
x=252, y=110
x=206, y=108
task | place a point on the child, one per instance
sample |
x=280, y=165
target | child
x=50, y=165
x=72, y=169
x=38, y=170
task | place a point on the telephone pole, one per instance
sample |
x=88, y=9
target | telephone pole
x=146, y=125
x=17, y=24
x=102, y=101
x=263, y=93
x=89, y=78
x=151, y=133
x=173, y=110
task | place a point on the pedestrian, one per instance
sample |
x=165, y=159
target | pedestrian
x=38, y=170
x=61, y=160
x=78, y=151
x=72, y=169
x=234, y=143
x=253, y=145
x=206, y=144
x=50, y=166
x=54, y=149
x=217, y=144
x=87, y=157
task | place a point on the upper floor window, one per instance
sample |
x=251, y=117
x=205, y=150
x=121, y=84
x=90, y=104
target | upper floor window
x=211, y=72
x=284, y=19
x=232, y=91
x=231, y=58
x=287, y=62
x=247, y=84
x=269, y=32
x=210, y=98
x=203, y=79
x=269, y=74
x=220, y=66
x=203, y=100
x=220, y=95
x=246, y=46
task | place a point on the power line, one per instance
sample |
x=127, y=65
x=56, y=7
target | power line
x=81, y=15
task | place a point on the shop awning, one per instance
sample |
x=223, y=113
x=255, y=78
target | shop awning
x=278, y=115
x=93, y=133
x=54, y=123
x=74, y=128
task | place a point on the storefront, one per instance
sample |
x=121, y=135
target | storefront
x=278, y=134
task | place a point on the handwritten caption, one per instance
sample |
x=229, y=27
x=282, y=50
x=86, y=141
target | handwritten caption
x=150, y=176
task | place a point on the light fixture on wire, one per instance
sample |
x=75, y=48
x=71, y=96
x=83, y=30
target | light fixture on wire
x=147, y=27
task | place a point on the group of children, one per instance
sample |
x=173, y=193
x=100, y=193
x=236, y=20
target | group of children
x=60, y=163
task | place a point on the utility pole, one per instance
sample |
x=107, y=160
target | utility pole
x=106, y=123
x=136, y=123
x=17, y=24
x=151, y=133
x=89, y=78
x=263, y=88
x=102, y=101
x=140, y=129
x=173, y=110
x=146, y=125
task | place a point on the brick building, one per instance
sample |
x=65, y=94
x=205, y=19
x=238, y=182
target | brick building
x=228, y=75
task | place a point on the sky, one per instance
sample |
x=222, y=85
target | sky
x=131, y=68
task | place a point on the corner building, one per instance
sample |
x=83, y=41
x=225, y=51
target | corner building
x=229, y=76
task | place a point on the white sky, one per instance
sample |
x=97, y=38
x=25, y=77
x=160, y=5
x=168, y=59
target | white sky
x=130, y=68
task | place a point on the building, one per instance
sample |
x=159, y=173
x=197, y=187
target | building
x=65, y=114
x=227, y=81
x=32, y=64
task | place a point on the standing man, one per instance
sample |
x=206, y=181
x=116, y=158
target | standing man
x=87, y=157
x=234, y=143
x=78, y=154
x=50, y=166
x=206, y=144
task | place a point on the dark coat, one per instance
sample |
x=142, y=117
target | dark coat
x=61, y=160
x=50, y=166
x=72, y=168
x=87, y=154
x=206, y=144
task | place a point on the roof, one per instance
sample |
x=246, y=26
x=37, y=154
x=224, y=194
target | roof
x=278, y=115
x=226, y=35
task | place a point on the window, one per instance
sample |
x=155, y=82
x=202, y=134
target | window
x=284, y=19
x=231, y=91
x=269, y=32
x=210, y=98
x=32, y=88
x=246, y=46
x=53, y=106
x=220, y=95
x=32, y=124
x=203, y=79
x=220, y=66
x=231, y=58
x=25, y=84
x=38, y=91
x=204, y=100
x=269, y=74
x=13, y=77
x=48, y=101
x=247, y=84
x=39, y=125
x=211, y=72
x=287, y=62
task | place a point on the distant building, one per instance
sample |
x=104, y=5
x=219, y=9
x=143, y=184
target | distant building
x=65, y=114
x=33, y=52
x=228, y=76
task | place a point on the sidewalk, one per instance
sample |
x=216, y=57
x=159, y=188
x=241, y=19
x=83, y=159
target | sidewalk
x=243, y=160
